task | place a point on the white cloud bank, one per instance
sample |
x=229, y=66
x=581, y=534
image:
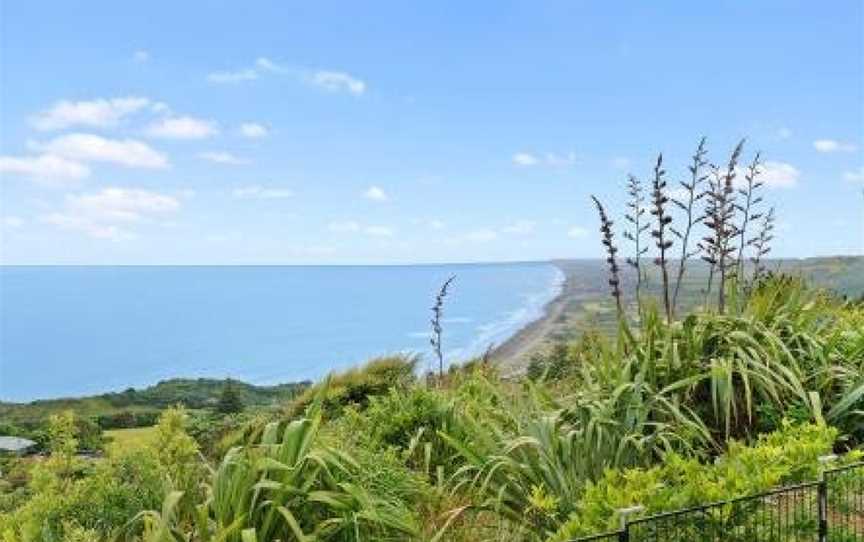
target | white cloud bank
x=100, y=113
x=94, y=148
x=832, y=145
x=44, y=168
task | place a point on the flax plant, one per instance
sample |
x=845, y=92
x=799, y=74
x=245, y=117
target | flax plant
x=437, y=330
x=694, y=193
x=720, y=221
x=762, y=244
x=608, y=240
x=749, y=213
x=663, y=243
x=636, y=204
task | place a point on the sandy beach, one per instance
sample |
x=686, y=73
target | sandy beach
x=514, y=354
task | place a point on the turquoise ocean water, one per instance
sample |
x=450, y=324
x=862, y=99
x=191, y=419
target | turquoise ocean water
x=67, y=331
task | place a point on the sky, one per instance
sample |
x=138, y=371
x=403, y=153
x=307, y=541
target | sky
x=167, y=132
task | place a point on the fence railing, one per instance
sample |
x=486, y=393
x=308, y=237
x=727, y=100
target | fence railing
x=830, y=509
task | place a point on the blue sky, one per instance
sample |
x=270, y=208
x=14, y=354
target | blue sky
x=395, y=132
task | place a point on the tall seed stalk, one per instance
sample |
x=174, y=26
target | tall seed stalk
x=634, y=217
x=720, y=221
x=762, y=243
x=748, y=215
x=608, y=240
x=659, y=201
x=706, y=245
x=437, y=313
x=694, y=194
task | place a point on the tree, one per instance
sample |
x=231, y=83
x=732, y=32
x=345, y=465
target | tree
x=230, y=401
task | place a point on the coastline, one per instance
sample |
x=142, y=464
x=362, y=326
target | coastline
x=512, y=355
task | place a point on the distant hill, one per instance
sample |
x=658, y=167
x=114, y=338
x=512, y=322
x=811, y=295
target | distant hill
x=134, y=407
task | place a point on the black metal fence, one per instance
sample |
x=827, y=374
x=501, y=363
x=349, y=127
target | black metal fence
x=828, y=510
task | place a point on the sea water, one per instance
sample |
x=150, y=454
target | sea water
x=69, y=331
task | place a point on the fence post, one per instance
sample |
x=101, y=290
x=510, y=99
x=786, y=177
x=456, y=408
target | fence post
x=623, y=514
x=823, y=497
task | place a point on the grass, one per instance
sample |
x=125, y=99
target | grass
x=130, y=439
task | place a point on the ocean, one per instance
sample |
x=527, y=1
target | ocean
x=71, y=331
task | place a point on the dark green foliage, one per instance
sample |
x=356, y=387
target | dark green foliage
x=89, y=435
x=555, y=364
x=126, y=419
x=229, y=401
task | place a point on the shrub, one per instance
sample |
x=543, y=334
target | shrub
x=786, y=456
x=357, y=385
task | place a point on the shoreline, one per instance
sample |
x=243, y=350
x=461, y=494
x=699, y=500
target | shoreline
x=512, y=354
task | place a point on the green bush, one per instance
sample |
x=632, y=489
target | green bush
x=786, y=456
x=357, y=385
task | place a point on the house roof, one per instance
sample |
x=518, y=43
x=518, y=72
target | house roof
x=15, y=444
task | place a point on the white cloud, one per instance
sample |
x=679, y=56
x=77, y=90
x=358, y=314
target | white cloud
x=13, y=222
x=105, y=214
x=784, y=132
x=333, y=81
x=101, y=113
x=378, y=231
x=831, y=145
x=265, y=64
x=376, y=193
x=436, y=224
x=260, y=192
x=527, y=159
x=253, y=130
x=577, y=232
x=141, y=56
x=182, y=128
x=262, y=65
x=778, y=175
x=221, y=157
x=855, y=176
x=46, y=167
x=230, y=77
x=521, y=227
x=345, y=226
x=93, y=148
x=329, y=80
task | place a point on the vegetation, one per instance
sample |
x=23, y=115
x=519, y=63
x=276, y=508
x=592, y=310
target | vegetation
x=744, y=391
x=141, y=408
